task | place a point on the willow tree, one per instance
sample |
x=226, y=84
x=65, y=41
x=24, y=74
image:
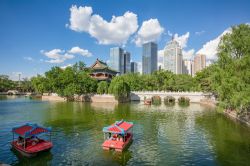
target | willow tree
x=120, y=89
x=102, y=87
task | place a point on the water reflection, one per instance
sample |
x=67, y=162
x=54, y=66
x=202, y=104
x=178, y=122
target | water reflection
x=193, y=135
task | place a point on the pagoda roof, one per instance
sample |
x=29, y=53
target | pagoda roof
x=119, y=127
x=100, y=65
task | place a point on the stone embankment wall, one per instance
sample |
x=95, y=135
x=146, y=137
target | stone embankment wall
x=195, y=97
x=52, y=97
x=103, y=98
x=243, y=118
x=106, y=98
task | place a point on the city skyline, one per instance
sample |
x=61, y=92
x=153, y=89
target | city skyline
x=35, y=36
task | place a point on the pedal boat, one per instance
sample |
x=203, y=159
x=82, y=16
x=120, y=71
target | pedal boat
x=27, y=143
x=118, y=136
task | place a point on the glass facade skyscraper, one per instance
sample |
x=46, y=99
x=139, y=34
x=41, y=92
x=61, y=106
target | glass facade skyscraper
x=127, y=66
x=149, y=58
x=120, y=60
x=134, y=67
x=172, y=59
x=117, y=59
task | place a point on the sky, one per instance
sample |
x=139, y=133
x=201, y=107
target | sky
x=36, y=35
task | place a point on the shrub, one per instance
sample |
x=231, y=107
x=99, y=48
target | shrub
x=169, y=100
x=156, y=100
x=183, y=100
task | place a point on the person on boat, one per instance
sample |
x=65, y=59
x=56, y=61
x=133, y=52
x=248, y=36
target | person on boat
x=109, y=135
x=20, y=141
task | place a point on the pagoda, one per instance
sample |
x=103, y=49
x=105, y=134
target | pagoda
x=101, y=71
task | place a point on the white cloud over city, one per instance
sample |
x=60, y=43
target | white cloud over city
x=151, y=30
x=80, y=51
x=188, y=54
x=210, y=48
x=58, y=56
x=116, y=31
x=182, y=40
x=199, y=32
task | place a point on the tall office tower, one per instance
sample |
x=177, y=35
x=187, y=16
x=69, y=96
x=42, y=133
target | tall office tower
x=134, y=68
x=149, y=57
x=172, y=59
x=117, y=59
x=127, y=62
x=187, y=67
x=199, y=62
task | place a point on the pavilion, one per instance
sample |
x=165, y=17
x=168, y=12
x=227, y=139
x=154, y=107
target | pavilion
x=101, y=71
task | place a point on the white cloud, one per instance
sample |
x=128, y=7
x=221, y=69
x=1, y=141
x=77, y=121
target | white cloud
x=170, y=34
x=28, y=58
x=80, y=51
x=210, y=48
x=188, y=54
x=150, y=30
x=64, y=67
x=80, y=18
x=117, y=31
x=57, y=55
x=182, y=40
x=200, y=32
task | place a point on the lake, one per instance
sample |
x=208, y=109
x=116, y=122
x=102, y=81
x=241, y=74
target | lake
x=193, y=135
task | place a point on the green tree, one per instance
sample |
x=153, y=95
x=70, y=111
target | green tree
x=102, y=87
x=232, y=79
x=6, y=84
x=40, y=84
x=119, y=88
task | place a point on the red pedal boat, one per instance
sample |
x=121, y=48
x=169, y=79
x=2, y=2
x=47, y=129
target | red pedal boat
x=118, y=136
x=28, y=144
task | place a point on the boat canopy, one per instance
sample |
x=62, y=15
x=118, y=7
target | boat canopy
x=119, y=127
x=29, y=130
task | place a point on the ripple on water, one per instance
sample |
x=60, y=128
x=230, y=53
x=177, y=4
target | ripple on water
x=162, y=135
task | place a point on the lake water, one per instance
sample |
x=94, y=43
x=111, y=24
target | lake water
x=193, y=135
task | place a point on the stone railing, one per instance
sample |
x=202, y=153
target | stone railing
x=194, y=97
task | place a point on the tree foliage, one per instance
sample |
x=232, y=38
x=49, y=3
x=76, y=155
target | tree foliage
x=102, y=87
x=229, y=78
x=6, y=84
x=119, y=88
x=66, y=82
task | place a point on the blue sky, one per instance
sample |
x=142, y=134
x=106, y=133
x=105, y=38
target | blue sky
x=30, y=30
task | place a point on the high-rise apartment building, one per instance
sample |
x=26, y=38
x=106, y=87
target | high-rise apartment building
x=199, y=62
x=172, y=58
x=187, y=67
x=134, y=67
x=149, y=57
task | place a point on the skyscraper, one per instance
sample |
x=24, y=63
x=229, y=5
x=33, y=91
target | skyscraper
x=134, y=67
x=199, y=62
x=187, y=67
x=117, y=59
x=127, y=65
x=149, y=58
x=172, y=59
x=120, y=60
